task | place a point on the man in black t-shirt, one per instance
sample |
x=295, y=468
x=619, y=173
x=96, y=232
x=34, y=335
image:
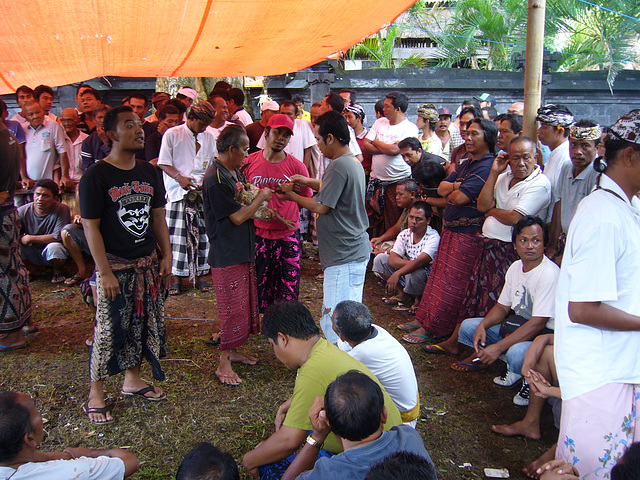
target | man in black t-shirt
x=122, y=207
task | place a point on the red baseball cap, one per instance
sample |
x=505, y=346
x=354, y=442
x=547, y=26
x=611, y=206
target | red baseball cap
x=280, y=120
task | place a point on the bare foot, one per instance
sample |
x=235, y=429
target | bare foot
x=238, y=357
x=531, y=469
x=232, y=379
x=526, y=429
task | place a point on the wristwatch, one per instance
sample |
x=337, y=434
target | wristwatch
x=311, y=441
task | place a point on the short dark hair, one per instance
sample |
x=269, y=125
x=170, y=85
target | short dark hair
x=628, y=467
x=490, y=132
x=110, y=122
x=15, y=423
x=353, y=320
x=476, y=112
x=103, y=107
x=491, y=112
x=237, y=95
x=612, y=147
x=218, y=92
x=92, y=91
x=297, y=99
x=410, y=185
x=222, y=85
x=289, y=103
x=24, y=89
x=411, y=142
x=379, y=107
x=231, y=135
x=140, y=96
x=514, y=120
x=289, y=318
x=352, y=93
x=206, y=462
x=182, y=108
x=49, y=185
x=528, y=221
x=168, y=110
x=398, y=100
x=354, y=404
x=81, y=86
x=428, y=173
x=424, y=206
x=335, y=101
x=472, y=103
x=40, y=89
x=523, y=139
x=401, y=466
x=334, y=123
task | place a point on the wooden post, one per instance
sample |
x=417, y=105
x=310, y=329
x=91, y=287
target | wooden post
x=533, y=65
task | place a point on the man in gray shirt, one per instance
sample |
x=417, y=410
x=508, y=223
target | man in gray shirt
x=42, y=221
x=343, y=243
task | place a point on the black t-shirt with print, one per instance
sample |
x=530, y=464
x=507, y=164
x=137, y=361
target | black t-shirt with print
x=123, y=200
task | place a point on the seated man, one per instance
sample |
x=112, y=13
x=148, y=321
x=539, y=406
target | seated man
x=529, y=291
x=22, y=433
x=406, y=268
x=296, y=342
x=42, y=221
x=381, y=353
x=406, y=194
x=400, y=466
x=353, y=410
x=206, y=462
x=75, y=241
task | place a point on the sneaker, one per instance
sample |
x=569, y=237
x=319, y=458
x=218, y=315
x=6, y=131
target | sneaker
x=522, y=397
x=507, y=380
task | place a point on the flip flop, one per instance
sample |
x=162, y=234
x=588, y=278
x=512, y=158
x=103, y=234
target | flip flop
x=213, y=340
x=73, y=281
x=143, y=391
x=410, y=338
x=5, y=348
x=203, y=286
x=232, y=383
x=408, y=327
x=393, y=301
x=174, y=289
x=467, y=367
x=101, y=410
x=436, y=350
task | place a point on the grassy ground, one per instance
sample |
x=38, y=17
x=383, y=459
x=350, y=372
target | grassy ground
x=456, y=414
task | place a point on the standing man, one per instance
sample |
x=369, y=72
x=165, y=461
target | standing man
x=169, y=117
x=73, y=139
x=96, y=146
x=122, y=206
x=185, y=153
x=256, y=129
x=219, y=104
x=387, y=168
x=553, y=132
x=343, y=242
x=236, y=107
x=354, y=114
x=24, y=94
x=90, y=100
x=187, y=96
x=44, y=96
x=278, y=246
x=158, y=100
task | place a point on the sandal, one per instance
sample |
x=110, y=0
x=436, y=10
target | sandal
x=175, y=289
x=408, y=327
x=143, y=393
x=73, y=281
x=437, y=350
x=213, y=340
x=468, y=366
x=416, y=338
x=203, y=285
x=393, y=301
x=101, y=410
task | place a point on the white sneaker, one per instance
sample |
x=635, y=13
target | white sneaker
x=509, y=379
x=522, y=397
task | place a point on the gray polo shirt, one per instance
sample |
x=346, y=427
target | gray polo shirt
x=342, y=235
x=572, y=190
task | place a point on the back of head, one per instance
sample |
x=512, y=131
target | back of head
x=335, y=101
x=237, y=95
x=222, y=85
x=335, y=124
x=290, y=318
x=429, y=173
x=178, y=104
x=354, y=404
x=230, y=135
x=206, y=462
x=623, y=134
x=628, y=467
x=168, y=110
x=403, y=466
x=14, y=425
x=353, y=320
x=472, y=103
x=491, y=112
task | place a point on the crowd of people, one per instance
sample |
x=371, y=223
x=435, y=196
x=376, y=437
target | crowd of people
x=494, y=241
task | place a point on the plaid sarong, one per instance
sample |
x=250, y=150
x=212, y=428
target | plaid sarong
x=176, y=216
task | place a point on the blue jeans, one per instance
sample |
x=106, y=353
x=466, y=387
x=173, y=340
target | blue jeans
x=341, y=282
x=515, y=355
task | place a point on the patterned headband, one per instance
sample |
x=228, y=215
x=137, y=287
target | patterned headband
x=429, y=112
x=628, y=127
x=555, y=116
x=585, y=133
x=356, y=110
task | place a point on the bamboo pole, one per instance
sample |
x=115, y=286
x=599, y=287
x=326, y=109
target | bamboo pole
x=533, y=65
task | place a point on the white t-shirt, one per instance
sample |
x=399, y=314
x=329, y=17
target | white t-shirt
x=216, y=131
x=556, y=160
x=42, y=148
x=391, y=364
x=406, y=248
x=533, y=293
x=243, y=116
x=73, y=149
x=390, y=167
x=301, y=139
x=601, y=263
x=83, y=468
x=178, y=149
x=531, y=196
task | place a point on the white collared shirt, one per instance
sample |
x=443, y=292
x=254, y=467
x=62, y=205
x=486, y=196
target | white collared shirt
x=42, y=148
x=73, y=149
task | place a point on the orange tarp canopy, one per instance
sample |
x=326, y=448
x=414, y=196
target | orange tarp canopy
x=57, y=42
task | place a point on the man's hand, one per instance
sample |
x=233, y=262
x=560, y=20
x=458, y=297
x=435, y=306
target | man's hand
x=27, y=183
x=102, y=134
x=26, y=240
x=254, y=472
x=66, y=183
x=264, y=194
x=77, y=221
x=299, y=180
x=479, y=338
x=558, y=469
x=489, y=354
x=318, y=417
x=282, y=413
x=375, y=241
x=187, y=183
x=110, y=286
x=162, y=127
x=500, y=163
x=392, y=283
x=165, y=270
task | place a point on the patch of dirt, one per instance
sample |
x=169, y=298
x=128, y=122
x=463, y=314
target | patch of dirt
x=457, y=409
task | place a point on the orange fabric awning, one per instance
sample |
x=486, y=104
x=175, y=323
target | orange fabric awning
x=58, y=42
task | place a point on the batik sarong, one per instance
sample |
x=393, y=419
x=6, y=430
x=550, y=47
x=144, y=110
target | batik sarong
x=132, y=326
x=15, y=295
x=597, y=427
x=277, y=269
x=441, y=302
x=237, y=298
